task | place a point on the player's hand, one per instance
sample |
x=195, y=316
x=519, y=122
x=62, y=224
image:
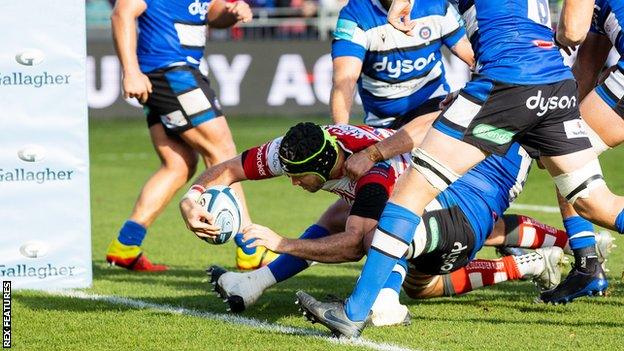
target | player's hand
x=399, y=16
x=240, y=10
x=198, y=220
x=263, y=237
x=136, y=85
x=448, y=99
x=358, y=164
x=567, y=49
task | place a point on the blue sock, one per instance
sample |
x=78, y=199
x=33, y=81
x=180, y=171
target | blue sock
x=619, y=222
x=580, y=232
x=132, y=233
x=394, y=232
x=395, y=280
x=286, y=266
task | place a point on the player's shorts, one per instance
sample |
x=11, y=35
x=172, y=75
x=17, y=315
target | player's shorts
x=431, y=105
x=611, y=91
x=491, y=115
x=451, y=242
x=181, y=99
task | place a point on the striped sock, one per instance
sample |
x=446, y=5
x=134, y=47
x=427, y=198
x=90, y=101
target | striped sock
x=479, y=273
x=526, y=232
x=580, y=231
x=132, y=233
x=394, y=232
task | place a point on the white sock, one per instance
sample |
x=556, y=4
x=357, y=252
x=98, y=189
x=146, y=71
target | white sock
x=263, y=277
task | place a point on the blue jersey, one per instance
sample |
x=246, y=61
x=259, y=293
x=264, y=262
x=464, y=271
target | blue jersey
x=608, y=16
x=399, y=72
x=172, y=33
x=513, y=41
x=487, y=190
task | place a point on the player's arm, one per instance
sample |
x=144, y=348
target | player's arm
x=404, y=140
x=574, y=22
x=345, y=246
x=454, y=36
x=123, y=22
x=344, y=79
x=223, y=14
x=590, y=59
x=197, y=219
x=463, y=50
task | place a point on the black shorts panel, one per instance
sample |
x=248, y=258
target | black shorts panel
x=181, y=99
x=452, y=242
x=611, y=91
x=491, y=115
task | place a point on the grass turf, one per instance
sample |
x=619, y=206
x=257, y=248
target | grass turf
x=497, y=317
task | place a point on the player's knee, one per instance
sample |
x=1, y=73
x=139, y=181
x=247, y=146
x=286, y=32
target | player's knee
x=182, y=168
x=421, y=286
x=437, y=173
x=580, y=183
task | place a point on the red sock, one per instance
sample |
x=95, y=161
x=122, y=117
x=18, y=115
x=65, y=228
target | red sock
x=480, y=273
x=526, y=232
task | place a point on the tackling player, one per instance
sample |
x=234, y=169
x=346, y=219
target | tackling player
x=161, y=70
x=398, y=77
x=523, y=93
x=459, y=221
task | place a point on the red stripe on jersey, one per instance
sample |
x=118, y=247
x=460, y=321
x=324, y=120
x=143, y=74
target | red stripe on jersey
x=382, y=174
x=255, y=162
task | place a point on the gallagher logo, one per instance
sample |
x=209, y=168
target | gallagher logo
x=31, y=153
x=33, y=249
x=30, y=57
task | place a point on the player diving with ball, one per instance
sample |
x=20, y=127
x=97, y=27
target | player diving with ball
x=439, y=262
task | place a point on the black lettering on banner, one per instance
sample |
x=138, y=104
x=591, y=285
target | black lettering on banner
x=6, y=314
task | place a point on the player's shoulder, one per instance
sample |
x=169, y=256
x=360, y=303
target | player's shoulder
x=365, y=14
x=431, y=8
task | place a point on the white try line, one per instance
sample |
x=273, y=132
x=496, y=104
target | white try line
x=538, y=208
x=228, y=318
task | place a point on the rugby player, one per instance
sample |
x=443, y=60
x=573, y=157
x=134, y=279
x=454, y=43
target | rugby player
x=460, y=220
x=161, y=70
x=398, y=77
x=522, y=93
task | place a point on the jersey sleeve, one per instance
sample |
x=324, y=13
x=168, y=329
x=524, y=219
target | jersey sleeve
x=349, y=37
x=373, y=190
x=452, y=27
x=262, y=162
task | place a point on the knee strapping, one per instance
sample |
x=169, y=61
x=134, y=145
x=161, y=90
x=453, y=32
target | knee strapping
x=580, y=182
x=598, y=145
x=437, y=174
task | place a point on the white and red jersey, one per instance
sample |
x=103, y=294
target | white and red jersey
x=263, y=162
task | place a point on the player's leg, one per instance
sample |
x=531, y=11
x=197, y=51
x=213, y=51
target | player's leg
x=603, y=110
x=525, y=232
x=178, y=163
x=242, y=290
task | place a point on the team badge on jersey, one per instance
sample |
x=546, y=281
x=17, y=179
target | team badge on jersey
x=425, y=32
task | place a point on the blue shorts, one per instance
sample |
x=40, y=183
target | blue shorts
x=181, y=99
x=611, y=91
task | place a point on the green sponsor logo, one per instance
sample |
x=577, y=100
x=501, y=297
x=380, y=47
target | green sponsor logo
x=434, y=230
x=493, y=134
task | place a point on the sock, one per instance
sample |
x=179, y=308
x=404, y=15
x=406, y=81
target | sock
x=262, y=277
x=286, y=266
x=395, y=280
x=480, y=273
x=586, y=259
x=619, y=222
x=526, y=232
x=132, y=233
x=394, y=232
x=580, y=232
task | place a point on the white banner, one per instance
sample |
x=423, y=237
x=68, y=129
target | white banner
x=45, y=222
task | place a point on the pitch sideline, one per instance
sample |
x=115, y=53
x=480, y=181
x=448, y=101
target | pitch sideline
x=228, y=318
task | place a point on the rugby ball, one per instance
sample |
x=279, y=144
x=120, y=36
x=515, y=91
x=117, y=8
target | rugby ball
x=222, y=202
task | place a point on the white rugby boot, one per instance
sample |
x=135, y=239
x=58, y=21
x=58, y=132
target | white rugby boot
x=554, y=259
x=240, y=290
x=387, y=310
x=604, y=245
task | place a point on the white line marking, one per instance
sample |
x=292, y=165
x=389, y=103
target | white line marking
x=228, y=318
x=538, y=208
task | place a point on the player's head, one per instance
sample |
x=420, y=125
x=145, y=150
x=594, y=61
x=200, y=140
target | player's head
x=308, y=154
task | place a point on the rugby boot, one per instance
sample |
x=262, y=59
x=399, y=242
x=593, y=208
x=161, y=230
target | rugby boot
x=604, y=245
x=585, y=279
x=238, y=290
x=252, y=258
x=554, y=259
x=131, y=257
x=330, y=314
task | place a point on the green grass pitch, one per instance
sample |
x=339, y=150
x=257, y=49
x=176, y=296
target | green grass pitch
x=500, y=317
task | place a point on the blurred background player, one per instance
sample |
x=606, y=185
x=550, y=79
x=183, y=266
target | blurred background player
x=398, y=77
x=160, y=58
x=501, y=105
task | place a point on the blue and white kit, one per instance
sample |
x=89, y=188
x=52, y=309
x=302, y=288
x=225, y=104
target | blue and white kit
x=399, y=72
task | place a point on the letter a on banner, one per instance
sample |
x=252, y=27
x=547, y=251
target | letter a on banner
x=45, y=224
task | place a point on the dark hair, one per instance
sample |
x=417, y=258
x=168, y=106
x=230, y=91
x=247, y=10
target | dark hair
x=301, y=141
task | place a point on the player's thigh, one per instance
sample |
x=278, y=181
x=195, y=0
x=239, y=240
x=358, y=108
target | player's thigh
x=173, y=152
x=421, y=286
x=603, y=118
x=213, y=139
x=497, y=236
x=335, y=216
